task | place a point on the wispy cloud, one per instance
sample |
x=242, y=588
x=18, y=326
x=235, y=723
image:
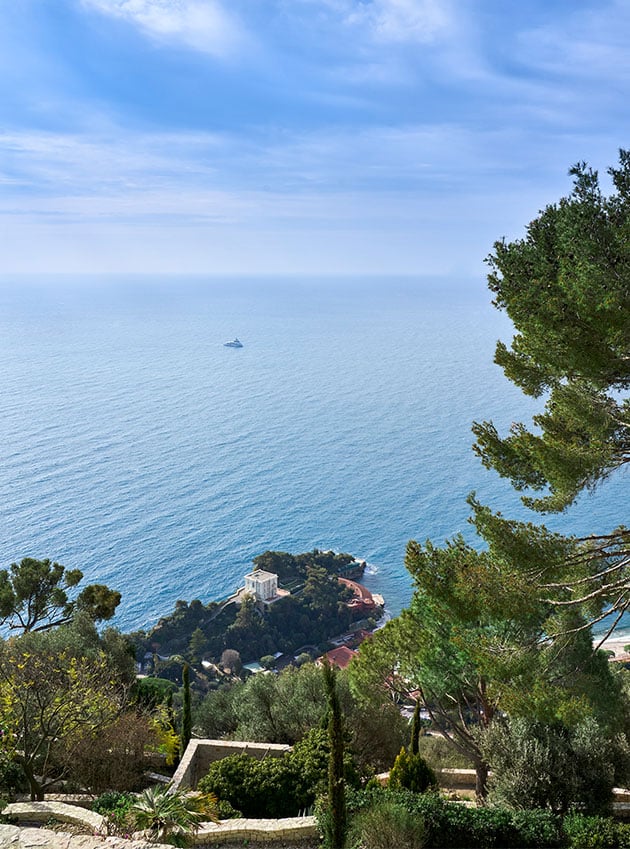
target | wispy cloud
x=591, y=44
x=203, y=25
x=386, y=20
x=420, y=21
x=301, y=179
x=329, y=161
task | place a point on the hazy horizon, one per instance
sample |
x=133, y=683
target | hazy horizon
x=323, y=136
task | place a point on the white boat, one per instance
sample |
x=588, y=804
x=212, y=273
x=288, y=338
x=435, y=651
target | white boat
x=235, y=343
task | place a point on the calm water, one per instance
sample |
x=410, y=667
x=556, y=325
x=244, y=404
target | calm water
x=137, y=447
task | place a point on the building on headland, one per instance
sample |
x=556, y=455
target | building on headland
x=263, y=586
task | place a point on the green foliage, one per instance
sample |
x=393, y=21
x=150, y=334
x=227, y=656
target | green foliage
x=335, y=835
x=450, y=825
x=584, y=832
x=54, y=689
x=98, y=602
x=12, y=777
x=275, y=786
x=444, y=644
x=440, y=754
x=280, y=708
x=172, y=816
x=412, y=772
x=539, y=765
x=150, y=692
x=197, y=646
x=310, y=759
x=167, y=738
x=565, y=287
x=312, y=612
x=115, y=807
x=283, y=708
x=375, y=728
x=258, y=788
x=214, y=717
x=474, y=643
x=186, y=729
x=225, y=811
x=34, y=597
x=291, y=565
x=386, y=825
x=171, y=669
x=416, y=728
x=112, y=802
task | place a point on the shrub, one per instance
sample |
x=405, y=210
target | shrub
x=150, y=692
x=114, y=758
x=225, y=811
x=412, y=772
x=115, y=807
x=262, y=788
x=440, y=754
x=537, y=828
x=12, y=778
x=387, y=825
x=112, y=802
x=539, y=765
x=172, y=816
x=584, y=832
x=449, y=825
x=275, y=787
x=309, y=760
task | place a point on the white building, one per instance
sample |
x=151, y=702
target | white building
x=262, y=585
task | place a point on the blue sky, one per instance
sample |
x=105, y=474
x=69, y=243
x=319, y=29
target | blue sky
x=290, y=136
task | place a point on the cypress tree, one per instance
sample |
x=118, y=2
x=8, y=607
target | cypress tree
x=336, y=823
x=415, y=729
x=186, y=731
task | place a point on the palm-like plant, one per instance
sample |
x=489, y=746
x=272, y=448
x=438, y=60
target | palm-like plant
x=172, y=815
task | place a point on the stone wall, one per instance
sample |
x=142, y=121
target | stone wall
x=296, y=831
x=457, y=779
x=37, y=812
x=243, y=831
x=200, y=754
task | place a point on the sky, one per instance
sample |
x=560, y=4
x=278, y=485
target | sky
x=297, y=136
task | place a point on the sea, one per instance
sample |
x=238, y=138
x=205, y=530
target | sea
x=135, y=446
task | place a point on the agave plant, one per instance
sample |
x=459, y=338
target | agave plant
x=171, y=816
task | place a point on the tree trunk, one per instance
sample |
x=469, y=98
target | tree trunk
x=37, y=792
x=481, y=782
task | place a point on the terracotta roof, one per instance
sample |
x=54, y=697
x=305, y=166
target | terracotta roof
x=340, y=657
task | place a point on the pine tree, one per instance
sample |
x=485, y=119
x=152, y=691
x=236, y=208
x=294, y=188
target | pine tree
x=566, y=288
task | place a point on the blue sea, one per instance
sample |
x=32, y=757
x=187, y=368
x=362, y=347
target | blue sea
x=137, y=447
